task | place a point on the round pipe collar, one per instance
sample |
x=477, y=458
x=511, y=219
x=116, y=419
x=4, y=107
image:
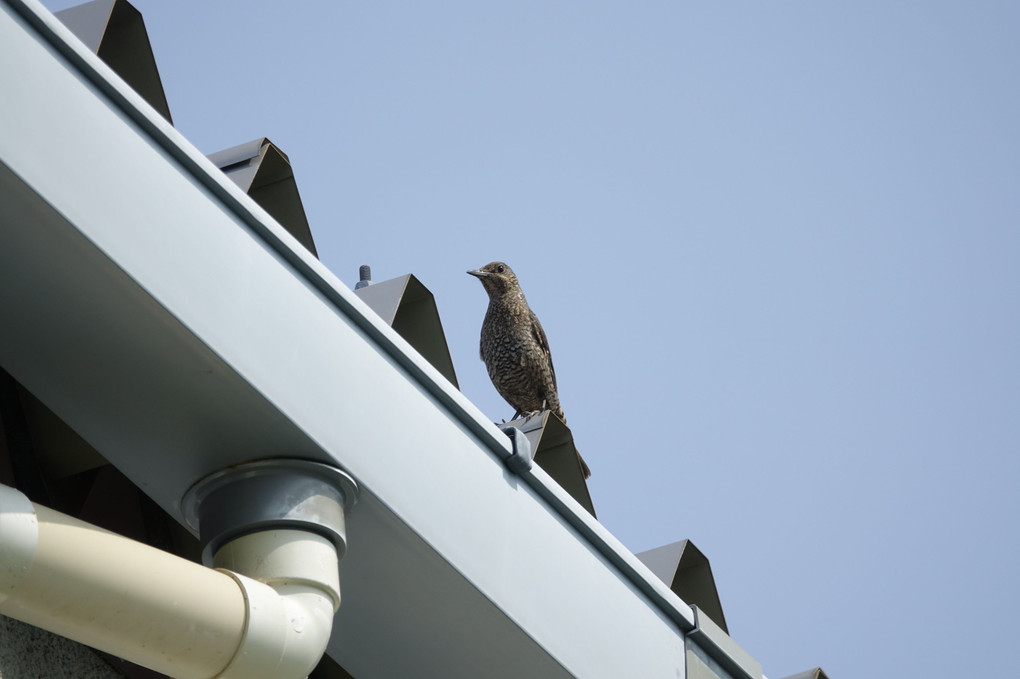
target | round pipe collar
x=270, y=495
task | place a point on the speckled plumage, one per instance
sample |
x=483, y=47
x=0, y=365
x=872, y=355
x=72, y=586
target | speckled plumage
x=514, y=347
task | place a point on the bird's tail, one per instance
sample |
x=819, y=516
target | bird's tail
x=584, y=465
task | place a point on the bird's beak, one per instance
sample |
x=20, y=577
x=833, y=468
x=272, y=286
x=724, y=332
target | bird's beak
x=479, y=274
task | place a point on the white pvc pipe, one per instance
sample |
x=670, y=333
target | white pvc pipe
x=164, y=612
x=301, y=568
x=117, y=595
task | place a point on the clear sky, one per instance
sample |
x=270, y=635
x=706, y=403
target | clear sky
x=774, y=245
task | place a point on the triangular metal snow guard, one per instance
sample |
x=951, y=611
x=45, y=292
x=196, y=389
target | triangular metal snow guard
x=816, y=673
x=263, y=171
x=687, y=571
x=406, y=305
x=552, y=448
x=115, y=31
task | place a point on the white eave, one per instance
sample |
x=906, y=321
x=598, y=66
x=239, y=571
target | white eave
x=180, y=330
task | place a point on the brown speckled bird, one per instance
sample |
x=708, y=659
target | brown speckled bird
x=515, y=349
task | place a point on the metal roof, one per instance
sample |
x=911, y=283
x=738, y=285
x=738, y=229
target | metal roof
x=178, y=328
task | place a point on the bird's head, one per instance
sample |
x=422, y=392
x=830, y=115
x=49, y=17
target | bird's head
x=497, y=278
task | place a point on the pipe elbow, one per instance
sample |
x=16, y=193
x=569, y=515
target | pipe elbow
x=286, y=631
x=309, y=616
x=292, y=591
x=107, y=591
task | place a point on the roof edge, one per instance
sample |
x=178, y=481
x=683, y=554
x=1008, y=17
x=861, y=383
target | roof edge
x=162, y=133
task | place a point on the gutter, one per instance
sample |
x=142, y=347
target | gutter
x=165, y=459
x=325, y=284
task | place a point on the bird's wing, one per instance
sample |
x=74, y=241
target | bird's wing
x=543, y=342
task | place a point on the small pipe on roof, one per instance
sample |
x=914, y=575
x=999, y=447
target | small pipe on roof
x=365, y=274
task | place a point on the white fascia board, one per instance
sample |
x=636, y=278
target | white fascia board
x=179, y=329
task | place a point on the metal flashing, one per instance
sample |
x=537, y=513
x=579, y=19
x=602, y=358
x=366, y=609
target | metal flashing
x=720, y=647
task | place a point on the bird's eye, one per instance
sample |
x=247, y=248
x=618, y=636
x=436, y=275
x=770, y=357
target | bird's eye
x=501, y=268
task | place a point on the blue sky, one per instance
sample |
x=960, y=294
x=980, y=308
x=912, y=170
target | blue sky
x=774, y=247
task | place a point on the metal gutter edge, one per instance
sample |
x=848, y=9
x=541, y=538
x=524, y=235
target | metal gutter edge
x=718, y=644
x=134, y=107
x=276, y=237
x=609, y=547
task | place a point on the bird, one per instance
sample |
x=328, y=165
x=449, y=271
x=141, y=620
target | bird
x=515, y=349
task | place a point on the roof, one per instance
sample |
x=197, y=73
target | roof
x=179, y=329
